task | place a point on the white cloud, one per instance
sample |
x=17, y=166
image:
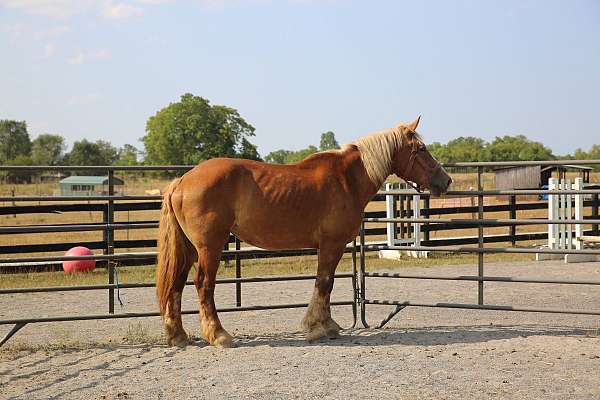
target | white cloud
x=69, y=8
x=121, y=10
x=49, y=8
x=84, y=57
x=84, y=100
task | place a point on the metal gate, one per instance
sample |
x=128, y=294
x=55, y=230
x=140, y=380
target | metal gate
x=480, y=250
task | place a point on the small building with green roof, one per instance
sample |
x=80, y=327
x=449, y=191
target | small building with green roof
x=79, y=185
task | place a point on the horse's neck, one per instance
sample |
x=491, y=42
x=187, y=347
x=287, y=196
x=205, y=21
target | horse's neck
x=363, y=187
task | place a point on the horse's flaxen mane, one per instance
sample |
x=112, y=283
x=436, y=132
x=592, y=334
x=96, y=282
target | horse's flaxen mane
x=377, y=150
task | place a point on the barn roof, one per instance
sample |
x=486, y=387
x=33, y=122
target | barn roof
x=565, y=166
x=546, y=168
x=89, y=180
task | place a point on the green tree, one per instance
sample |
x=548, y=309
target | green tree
x=127, y=155
x=191, y=130
x=248, y=151
x=297, y=156
x=592, y=154
x=438, y=151
x=85, y=152
x=14, y=140
x=277, y=156
x=289, y=157
x=515, y=148
x=465, y=149
x=47, y=149
x=328, y=141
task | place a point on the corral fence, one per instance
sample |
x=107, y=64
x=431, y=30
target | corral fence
x=403, y=221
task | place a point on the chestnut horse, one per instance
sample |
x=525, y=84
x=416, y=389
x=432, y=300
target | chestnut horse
x=318, y=202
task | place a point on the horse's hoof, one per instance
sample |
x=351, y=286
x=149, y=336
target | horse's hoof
x=178, y=341
x=224, y=340
x=316, y=333
x=332, y=328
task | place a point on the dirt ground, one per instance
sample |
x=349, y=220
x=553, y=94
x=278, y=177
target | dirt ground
x=422, y=353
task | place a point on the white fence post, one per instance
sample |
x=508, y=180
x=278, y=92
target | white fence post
x=578, y=213
x=417, y=226
x=552, y=214
x=390, y=212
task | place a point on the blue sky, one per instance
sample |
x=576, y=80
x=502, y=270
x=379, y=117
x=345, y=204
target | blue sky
x=97, y=69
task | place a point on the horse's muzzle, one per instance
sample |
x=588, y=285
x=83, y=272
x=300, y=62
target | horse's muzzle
x=440, y=181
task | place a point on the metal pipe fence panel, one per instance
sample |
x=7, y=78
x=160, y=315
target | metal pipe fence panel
x=480, y=222
x=111, y=203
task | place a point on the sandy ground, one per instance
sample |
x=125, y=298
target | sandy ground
x=422, y=353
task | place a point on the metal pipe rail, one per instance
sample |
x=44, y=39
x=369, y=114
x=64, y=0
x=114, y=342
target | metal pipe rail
x=149, y=225
x=484, y=164
x=243, y=252
x=254, y=279
x=475, y=278
x=20, y=323
x=489, y=192
x=488, y=221
x=484, y=307
x=157, y=314
x=495, y=250
x=4, y=230
x=451, y=193
x=80, y=198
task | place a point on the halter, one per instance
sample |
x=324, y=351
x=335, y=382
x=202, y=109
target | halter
x=411, y=161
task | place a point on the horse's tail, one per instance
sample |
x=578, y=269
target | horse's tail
x=173, y=250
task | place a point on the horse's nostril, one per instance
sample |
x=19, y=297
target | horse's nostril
x=449, y=181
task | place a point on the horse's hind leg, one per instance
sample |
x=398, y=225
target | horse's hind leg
x=209, y=257
x=318, y=322
x=176, y=335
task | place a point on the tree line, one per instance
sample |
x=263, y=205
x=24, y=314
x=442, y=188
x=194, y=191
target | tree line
x=503, y=148
x=191, y=130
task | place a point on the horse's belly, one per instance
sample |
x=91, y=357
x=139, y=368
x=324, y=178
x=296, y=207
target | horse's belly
x=276, y=230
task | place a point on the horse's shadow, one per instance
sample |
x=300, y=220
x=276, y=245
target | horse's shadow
x=430, y=336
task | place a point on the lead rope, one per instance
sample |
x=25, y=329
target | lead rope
x=117, y=284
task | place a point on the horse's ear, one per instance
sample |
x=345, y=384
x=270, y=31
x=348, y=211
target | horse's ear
x=413, y=125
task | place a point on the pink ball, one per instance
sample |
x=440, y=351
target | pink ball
x=79, y=265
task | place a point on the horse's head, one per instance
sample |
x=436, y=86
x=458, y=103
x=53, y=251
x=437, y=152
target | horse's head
x=414, y=163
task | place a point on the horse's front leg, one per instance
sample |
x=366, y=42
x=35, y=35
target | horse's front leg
x=317, y=322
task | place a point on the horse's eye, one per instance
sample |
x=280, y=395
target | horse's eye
x=422, y=148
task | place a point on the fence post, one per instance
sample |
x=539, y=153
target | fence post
x=401, y=214
x=578, y=185
x=595, y=205
x=110, y=241
x=355, y=287
x=417, y=226
x=426, y=207
x=390, y=212
x=552, y=214
x=361, y=274
x=512, y=201
x=238, y=273
x=568, y=214
x=480, y=236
